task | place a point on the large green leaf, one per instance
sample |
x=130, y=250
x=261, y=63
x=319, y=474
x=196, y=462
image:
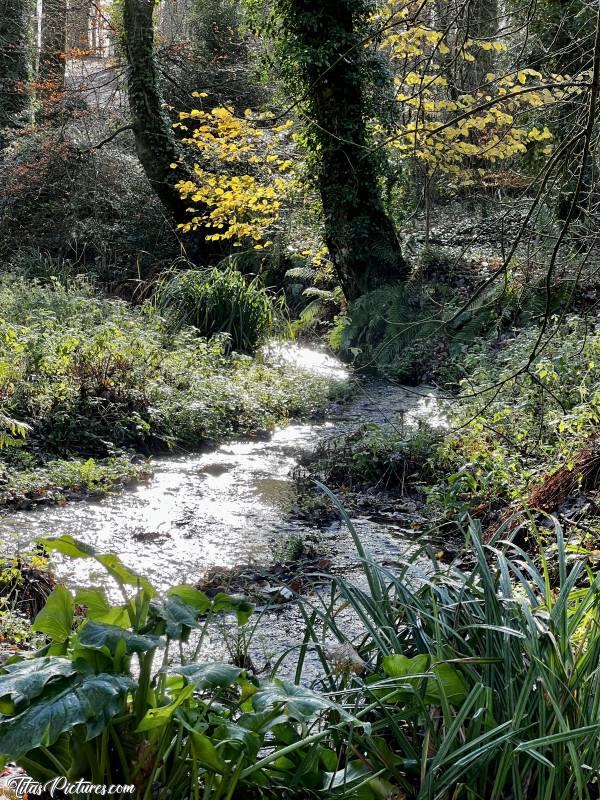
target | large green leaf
x=73, y=548
x=399, y=666
x=25, y=680
x=238, y=740
x=205, y=751
x=192, y=597
x=298, y=702
x=445, y=678
x=90, y=700
x=178, y=616
x=98, y=636
x=448, y=681
x=56, y=617
x=99, y=609
x=210, y=676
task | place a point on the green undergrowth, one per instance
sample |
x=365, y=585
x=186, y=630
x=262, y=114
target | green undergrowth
x=421, y=331
x=518, y=423
x=94, y=381
x=375, y=455
x=25, y=584
x=521, y=431
x=25, y=481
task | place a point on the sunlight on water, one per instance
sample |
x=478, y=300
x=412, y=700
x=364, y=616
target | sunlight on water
x=315, y=361
x=223, y=508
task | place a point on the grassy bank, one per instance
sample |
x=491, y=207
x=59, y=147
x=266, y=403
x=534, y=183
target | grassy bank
x=91, y=385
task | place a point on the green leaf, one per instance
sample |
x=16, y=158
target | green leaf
x=73, y=548
x=98, y=636
x=205, y=751
x=56, y=617
x=159, y=717
x=449, y=681
x=239, y=740
x=446, y=678
x=178, y=616
x=210, y=676
x=191, y=597
x=399, y=666
x=229, y=604
x=299, y=702
x=25, y=680
x=352, y=772
x=99, y=609
x=90, y=700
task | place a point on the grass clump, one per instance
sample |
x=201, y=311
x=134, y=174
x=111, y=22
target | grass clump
x=218, y=301
x=383, y=456
x=476, y=683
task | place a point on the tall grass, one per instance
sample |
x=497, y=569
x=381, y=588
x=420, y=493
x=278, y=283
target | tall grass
x=218, y=301
x=482, y=684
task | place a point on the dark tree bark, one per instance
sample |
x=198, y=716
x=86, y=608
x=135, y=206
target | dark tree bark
x=155, y=143
x=15, y=61
x=154, y=140
x=323, y=38
x=52, y=64
x=78, y=27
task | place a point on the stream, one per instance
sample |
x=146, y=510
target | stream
x=230, y=506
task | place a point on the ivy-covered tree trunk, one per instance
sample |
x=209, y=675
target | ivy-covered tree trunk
x=155, y=143
x=324, y=37
x=15, y=61
x=52, y=64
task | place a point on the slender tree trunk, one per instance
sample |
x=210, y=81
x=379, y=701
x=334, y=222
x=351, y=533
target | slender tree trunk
x=361, y=238
x=15, y=61
x=52, y=63
x=481, y=23
x=155, y=143
x=78, y=27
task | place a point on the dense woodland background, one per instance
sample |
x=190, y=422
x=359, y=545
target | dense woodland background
x=411, y=185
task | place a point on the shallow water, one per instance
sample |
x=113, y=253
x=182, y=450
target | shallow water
x=223, y=508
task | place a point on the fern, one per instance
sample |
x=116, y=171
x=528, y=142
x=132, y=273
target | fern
x=301, y=273
x=12, y=432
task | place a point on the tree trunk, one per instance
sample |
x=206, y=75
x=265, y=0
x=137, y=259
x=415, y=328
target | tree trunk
x=78, y=27
x=52, y=64
x=360, y=236
x=481, y=22
x=15, y=61
x=155, y=143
